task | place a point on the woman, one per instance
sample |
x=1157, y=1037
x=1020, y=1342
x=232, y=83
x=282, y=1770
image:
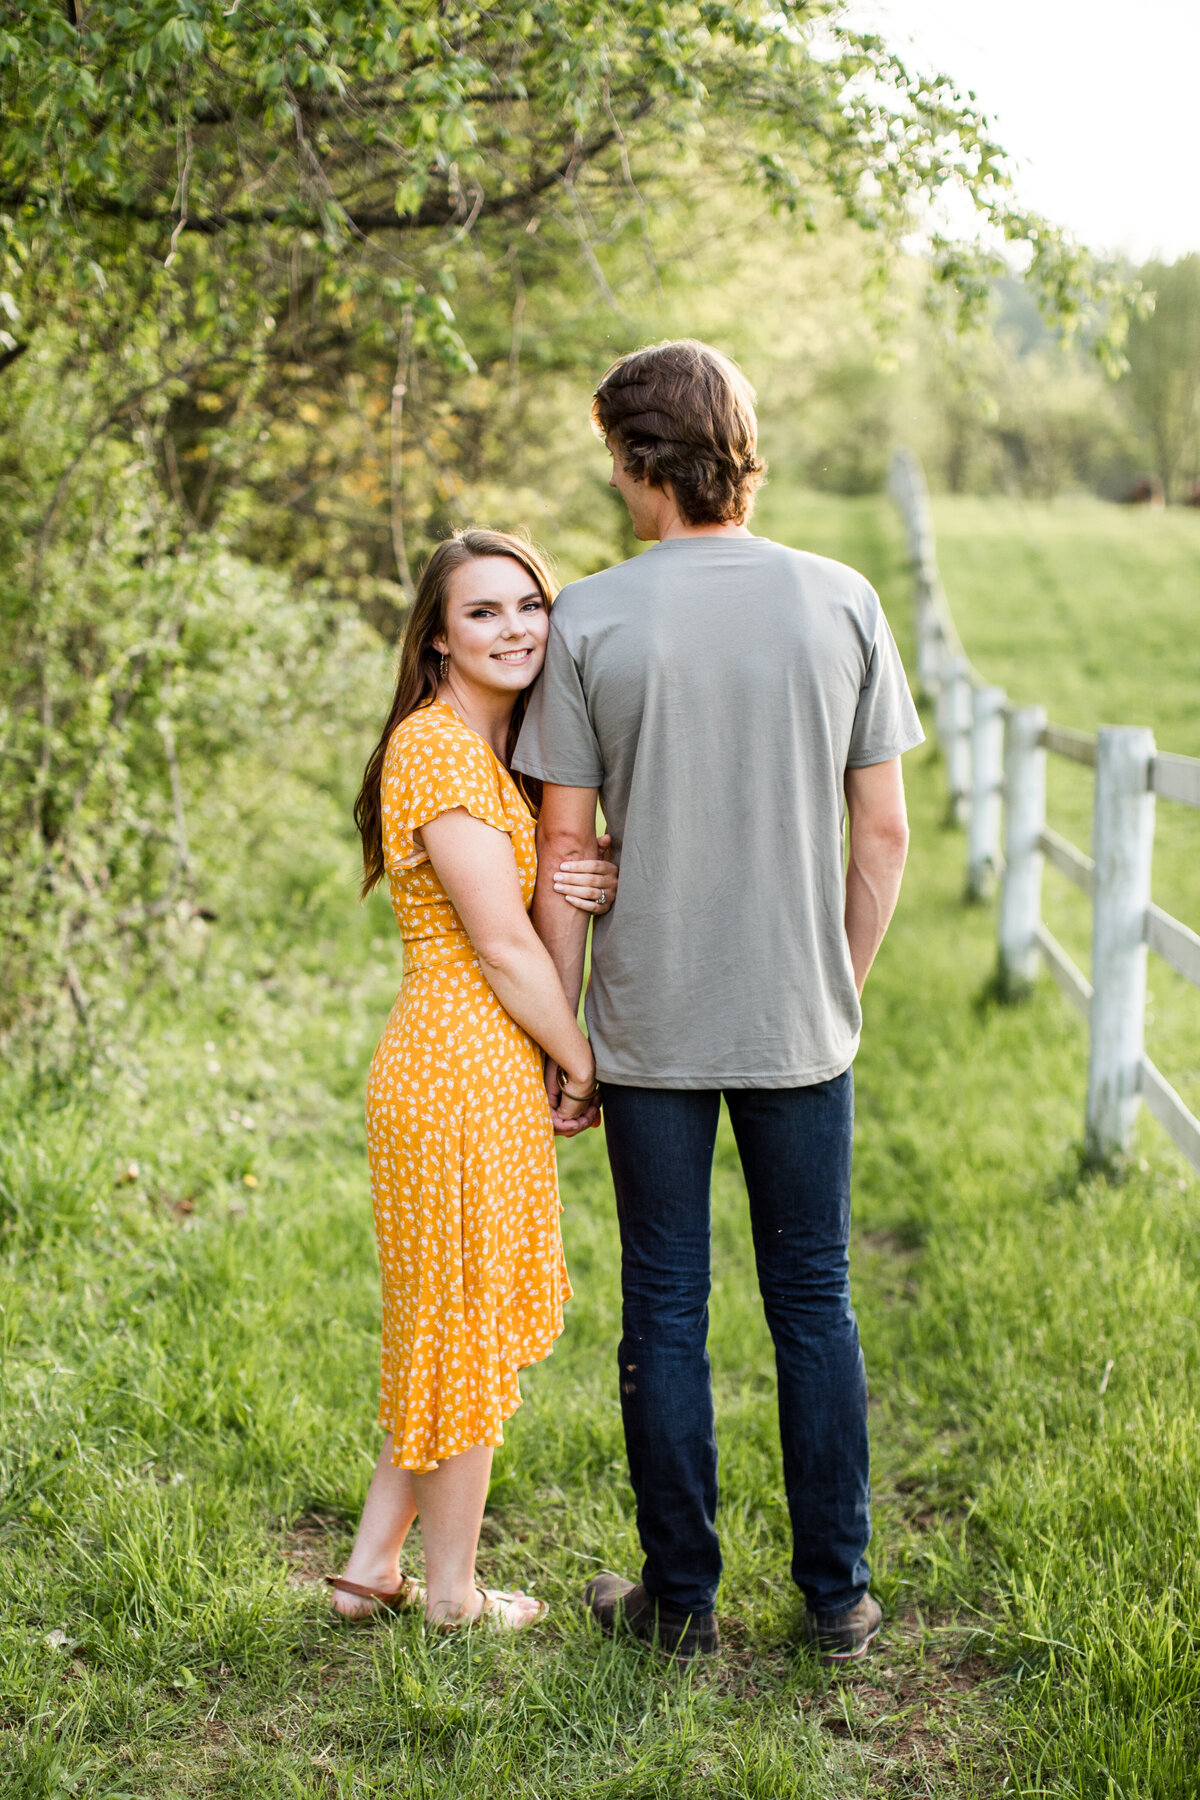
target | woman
x=460, y=1135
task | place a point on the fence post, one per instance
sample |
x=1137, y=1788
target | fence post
x=929, y=646
x=1123, y=846
x=954, y=732
x=1024, y=819
x=987, y=775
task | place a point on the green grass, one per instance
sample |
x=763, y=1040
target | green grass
x=1093, y=611
x=189, y=1385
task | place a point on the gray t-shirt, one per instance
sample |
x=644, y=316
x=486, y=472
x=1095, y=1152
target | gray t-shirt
x=715, y=690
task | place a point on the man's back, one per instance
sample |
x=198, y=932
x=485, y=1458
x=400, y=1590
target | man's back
x=716, y=689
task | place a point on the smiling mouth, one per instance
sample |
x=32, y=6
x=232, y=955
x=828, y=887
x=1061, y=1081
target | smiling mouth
x=511, y=656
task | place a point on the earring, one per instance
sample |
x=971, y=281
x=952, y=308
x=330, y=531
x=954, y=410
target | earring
x=443, y=666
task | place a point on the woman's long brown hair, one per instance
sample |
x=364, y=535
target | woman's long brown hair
x=417, y=678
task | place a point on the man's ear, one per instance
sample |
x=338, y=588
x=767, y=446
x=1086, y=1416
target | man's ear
x=612, y=445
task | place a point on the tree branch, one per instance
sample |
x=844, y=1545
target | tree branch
x=396, y=466
x=8, y=357
x=433, y=213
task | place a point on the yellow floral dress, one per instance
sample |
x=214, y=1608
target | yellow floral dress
x=463, y=1178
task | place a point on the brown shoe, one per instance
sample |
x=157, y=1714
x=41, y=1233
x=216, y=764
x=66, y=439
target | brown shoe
x=613, y=1601
x=845, y=1636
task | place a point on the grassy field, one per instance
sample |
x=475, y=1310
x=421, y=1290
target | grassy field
x=190, y=1338
x=1093, y=611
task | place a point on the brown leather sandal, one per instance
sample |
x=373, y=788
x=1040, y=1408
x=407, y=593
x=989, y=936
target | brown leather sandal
x=409, y=1593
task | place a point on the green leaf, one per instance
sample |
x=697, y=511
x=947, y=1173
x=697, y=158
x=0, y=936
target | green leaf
x=458, y=131
x=409, y=195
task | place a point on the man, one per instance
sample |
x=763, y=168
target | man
x=724, y=696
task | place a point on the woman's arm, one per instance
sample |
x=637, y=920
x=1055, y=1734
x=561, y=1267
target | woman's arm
x=475, y=864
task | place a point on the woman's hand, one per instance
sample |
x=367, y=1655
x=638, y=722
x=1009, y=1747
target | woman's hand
x=591, y=886
x=567, y=1128
x=570, y=1115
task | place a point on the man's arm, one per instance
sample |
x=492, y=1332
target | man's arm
x=878, y=848
x=566, y=833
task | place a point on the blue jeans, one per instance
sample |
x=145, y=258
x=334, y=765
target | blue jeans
x=795, y=1147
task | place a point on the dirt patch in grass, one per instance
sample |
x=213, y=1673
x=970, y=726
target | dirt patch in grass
x=886, y=1262
x=312, y=1547
x=911, y=1704
x=915, y=1701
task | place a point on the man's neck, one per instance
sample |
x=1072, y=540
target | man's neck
x=677, y=528
x=669, y=522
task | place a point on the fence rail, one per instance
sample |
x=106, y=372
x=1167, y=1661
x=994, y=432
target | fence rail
x=1069, y=976
x=1078, y=868
x=995, y=757
x=1177, y=944
x=1177, y=778
x=1076, y=746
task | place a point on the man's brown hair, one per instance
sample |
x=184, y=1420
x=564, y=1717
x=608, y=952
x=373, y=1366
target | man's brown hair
x=683, y=414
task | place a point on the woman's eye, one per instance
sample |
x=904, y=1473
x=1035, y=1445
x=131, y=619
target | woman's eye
x=532, y=606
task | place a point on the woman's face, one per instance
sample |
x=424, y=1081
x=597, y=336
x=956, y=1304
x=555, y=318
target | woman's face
x=496, y=625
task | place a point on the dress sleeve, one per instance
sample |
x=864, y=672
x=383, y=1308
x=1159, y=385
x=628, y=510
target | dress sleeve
x=428, y=774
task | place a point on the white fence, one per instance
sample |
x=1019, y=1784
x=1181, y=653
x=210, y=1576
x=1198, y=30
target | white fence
x=995, y=757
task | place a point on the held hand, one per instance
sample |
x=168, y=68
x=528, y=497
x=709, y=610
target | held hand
x=553, y=1087
x=569, y=1115
x=567, y=1128
x=590, y=886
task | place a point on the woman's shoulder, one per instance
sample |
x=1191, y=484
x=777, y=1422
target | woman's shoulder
x=433, y=751
x=434, y=764
x=434, y=733
x=434, y=721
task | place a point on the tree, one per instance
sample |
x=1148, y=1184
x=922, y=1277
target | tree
x=1163, y=382
x=230, y=205
x=392, y=117
x=267, y=275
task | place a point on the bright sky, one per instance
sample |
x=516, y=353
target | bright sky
x=1097, y=103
